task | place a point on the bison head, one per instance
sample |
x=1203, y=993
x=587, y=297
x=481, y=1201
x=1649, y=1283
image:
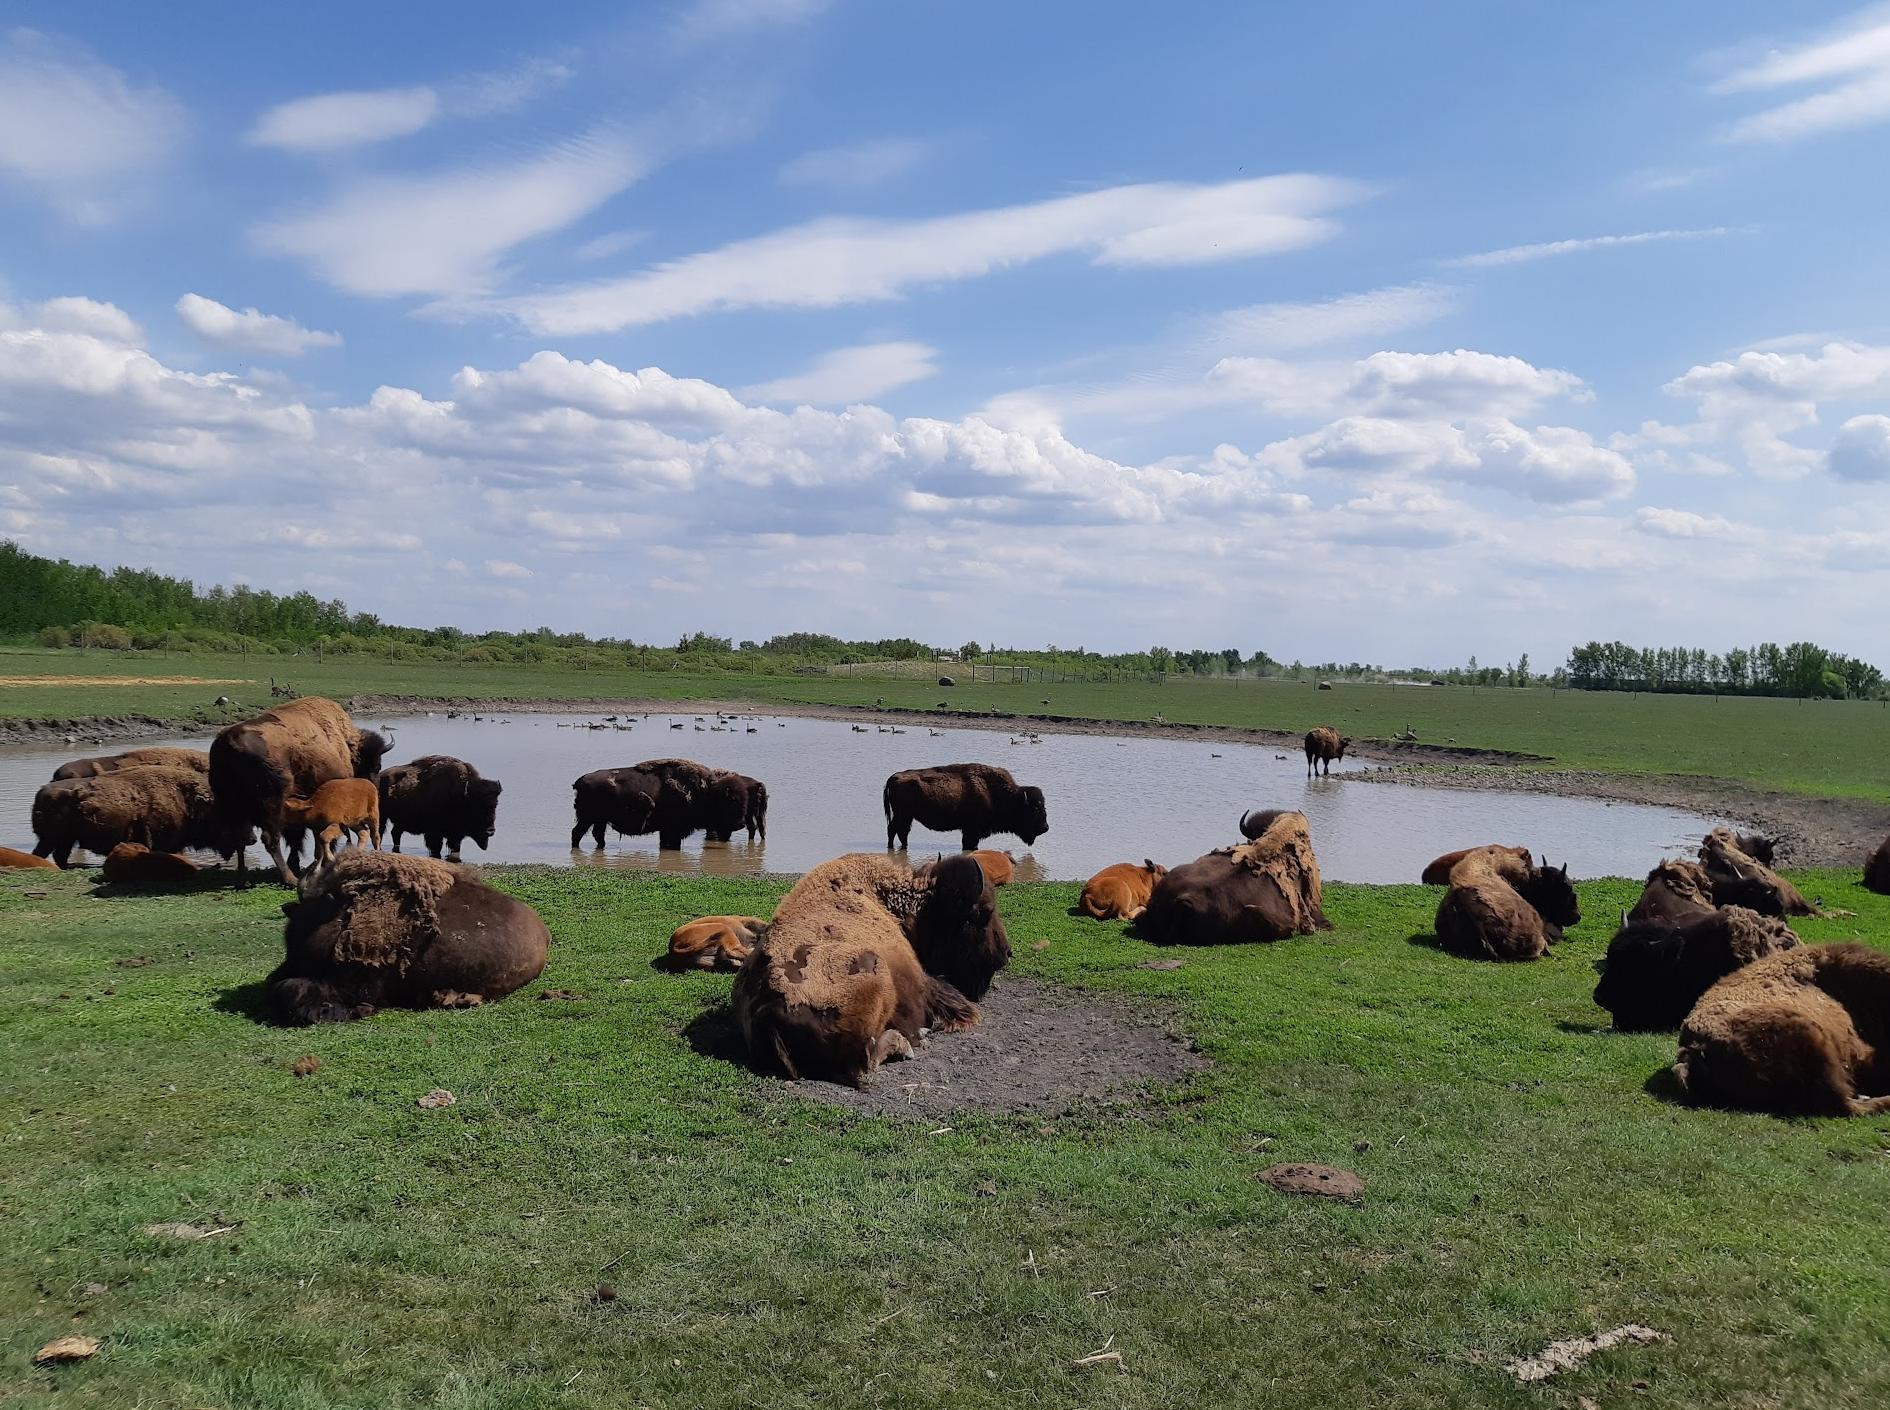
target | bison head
x=482, y=809
x=368, y=753
x=1550, y=891
x=1640, y=977
x=1032, y=820
x=956, y=930
x=1757, y=846
x=1254, y=825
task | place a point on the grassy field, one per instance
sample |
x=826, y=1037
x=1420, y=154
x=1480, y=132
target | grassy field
x=1524, y=1185
x=1822, y=748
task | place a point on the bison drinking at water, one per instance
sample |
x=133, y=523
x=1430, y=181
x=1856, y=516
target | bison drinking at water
x=372, y=930
x=670, y=797
x=157, y=757
x=1325, y=746
x=974, y=800
x=1266, y=889
x=443, y=799
x=1656, y=970
x=291, y=750
x=1503, y=907
x=166, y=810
x=862, y=956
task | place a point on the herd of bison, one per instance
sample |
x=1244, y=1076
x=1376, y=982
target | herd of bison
x=866, y=955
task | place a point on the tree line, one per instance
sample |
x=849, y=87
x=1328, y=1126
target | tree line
x=1801, y=668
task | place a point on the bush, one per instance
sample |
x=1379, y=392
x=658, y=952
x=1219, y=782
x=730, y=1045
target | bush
x=55, y=636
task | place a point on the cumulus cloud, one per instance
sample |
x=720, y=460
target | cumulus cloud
x=505, y=568
x=1289, y=327
x=1549, y=249
x=1850, y=66
x=833, y=262
x=1861, y=450
x=856, y=164
x=74, y=314
x=251, y=331
x=1682, y=524
x=330, y=121
x=1836, y=372
x=852, y=374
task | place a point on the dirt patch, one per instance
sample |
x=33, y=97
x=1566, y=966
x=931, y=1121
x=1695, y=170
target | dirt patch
x=119, y=729
x=1324, y=1181
x=1041, y=1048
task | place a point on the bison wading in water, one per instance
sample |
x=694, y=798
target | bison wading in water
x=157, y=757
x=670, y=797
x=166, y=810
x=289, y=751
x=973, y=800
x=441, y=798
x=1656, y=970
x=1266, y=889
x=372, y=930
x=1325, y=746
x=1503, y=907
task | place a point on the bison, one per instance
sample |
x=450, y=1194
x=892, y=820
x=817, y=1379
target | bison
x=1656, y=970
x=1325, y=746
x=350, y=806
x=1877, y=869
x=372, y=930
x=862, y=957
x=164, y=809
x=713, y=942
x=160, y=757
x=1438, y=872
x=1121, y=891
x=670, y=797
x=441, y=798
x=998, y=867
x=9, y=857
x=1802, y=1032
x=974, y=800
x=1503, y=907
x=291, y=750
x=134, y=864
x=1676, y=891
x=1740, y=879
x=1266, y=889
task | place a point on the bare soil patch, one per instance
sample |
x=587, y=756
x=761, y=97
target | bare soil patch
x=1041, y=1049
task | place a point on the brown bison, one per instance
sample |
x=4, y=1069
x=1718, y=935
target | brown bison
x=289, y=751
x=1266, y=889
x=1675, y=891
x=713, y=942
x=1656, y=970
x=9, y=857
x=1503, y=907
x=166, y=810
x=670, y=797
x=1740, y=879
x=1121, y=891
x=998, y=867
x=161, y=757
x=1803, y=1032
x=1877, y=869
x=133, y=864
x=350, y=806
x=1438, y=872
x=862, y=957
x=441, y=798
x=1324, y=747
x=372, y=930
x=974, y=800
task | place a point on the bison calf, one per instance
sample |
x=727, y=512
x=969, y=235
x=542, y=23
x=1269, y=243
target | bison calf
x=9, y=857
x=132, y=864
x=713, y=942
x=1438, y=872
x=1656, y=970
x=342, y=805
x=1121, y=891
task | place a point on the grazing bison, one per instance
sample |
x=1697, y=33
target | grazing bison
x=9, y=857
x=974, y=800
x=371, y=930
x=998, y=867
x=1877, y=870
x=289, y=751
x=166, y=810
x=1740, y=879
x=1438, y=872
x=441, y=798
x=342, y=805
x=1324, y=747
x=1675, y=891
x=1266, y=889
x=134, y=864
x=1656, y=970
x=1803, y=1032
x=1502, y=907
x=163, y=758
x=1121, y=891
x=713, y=942
x=863, y=956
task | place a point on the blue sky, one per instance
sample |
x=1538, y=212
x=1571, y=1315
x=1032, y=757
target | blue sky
x=1393, y=333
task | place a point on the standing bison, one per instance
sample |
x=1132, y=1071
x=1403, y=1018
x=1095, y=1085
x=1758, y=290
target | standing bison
x=670, y=797
x=1656, y=970
x=1504, y=907
x=1266, y=889
x=291, y=750
x=1325, y=746
x=373, y=930
x=441, y=798
x=162, y=757
x=166, y=810
x=973, y=800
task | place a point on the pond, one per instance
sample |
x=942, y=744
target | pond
x=1110, y=799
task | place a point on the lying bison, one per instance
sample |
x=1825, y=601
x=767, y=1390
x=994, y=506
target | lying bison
x=164, y=809
x=1120, y=891
x=1675, y=891
x=372, y=930
x=157, y=757
x=12, y=857
x=133, y=864
x=291, y=750
x=1325, y=746
x=1877, y=869
x=973, y=800
x=720, y=943
x=1438, y=872
x=1804, y=1032
x=1504, y=907
x=1266, y=889
x=441, y=798
x=863, y=956
x=670, y=797
x=1656, y=970
x=1740, y=878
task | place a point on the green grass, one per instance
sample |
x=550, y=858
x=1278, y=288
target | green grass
x=1822, y=748
x=1523, y=1185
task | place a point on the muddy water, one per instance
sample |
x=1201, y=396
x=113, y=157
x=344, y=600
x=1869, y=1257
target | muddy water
x=1110, y=800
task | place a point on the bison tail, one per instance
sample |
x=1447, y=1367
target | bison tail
x=947, y=1010
x=885, y=799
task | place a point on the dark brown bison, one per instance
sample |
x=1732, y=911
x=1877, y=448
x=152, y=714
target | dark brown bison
x=372, y=930
x=1325, y=746
x=1266, y=889
x=1438, y=872
x=670, y=797
x=1740, y=879
x=133, y=864
x=1503, y=907
x=1803, y=1032
x=1877, y=869
x=1656, y=970
x=443, y=799
x=166, y=810
x=973, y=800
x=1254, y=823
x=10, y=857
x=291, y=750
x=1675, y=891
x=863, y=956
x=162, y=757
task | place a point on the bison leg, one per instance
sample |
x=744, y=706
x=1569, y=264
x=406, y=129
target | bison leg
x=969, y=842
x=898, y=829
x=433, y=844
x=272, y=843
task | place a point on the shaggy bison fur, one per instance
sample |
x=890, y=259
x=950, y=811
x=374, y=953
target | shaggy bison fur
x=974, y=800
x=441, y=798
x=1266, y=889
x=133, y=864
x=1121, y=891
x=670, y=797
x=164, y=809
x=1656, y=970
x=1325, y=746
x=157, y=757
x=1740, y=879
x=862, y=957
x=372, y=930
x=1504, y=907
x=1675, y=891
x=712, y=942
x=1801, y=1032
x=1438, y=872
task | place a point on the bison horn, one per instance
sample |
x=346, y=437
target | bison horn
x=1624, y=917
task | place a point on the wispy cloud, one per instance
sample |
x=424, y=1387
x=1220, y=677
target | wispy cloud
x=1376, y=313
x=251, y=331
x=1852, y=61
x=1550, y=249
x=848, y=375
x=704, y=21
x=857, y=164
x=330, y=121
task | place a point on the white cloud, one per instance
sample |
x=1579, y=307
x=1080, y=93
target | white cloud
x=703, y=21
x=76, y=131
x=852, y=374
x=251, y=331
x=106, y=322
x=330, y=121
x=445, y=232
x=1288, y=327
x=1838, y=371
x=1556, y=465
x=1854, y=61
x=1861, y=450
x=504, y=568
x=833, y=262
x=1434, y=385
x=857, y=164
x=1549, y=249
x=1683, y=524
